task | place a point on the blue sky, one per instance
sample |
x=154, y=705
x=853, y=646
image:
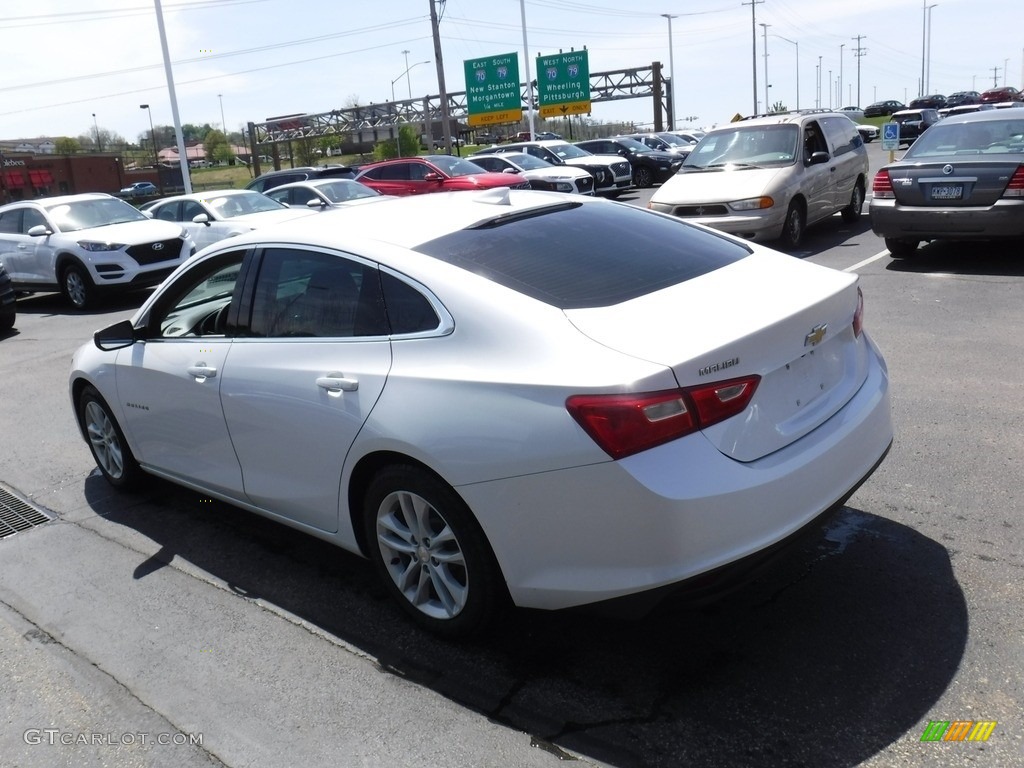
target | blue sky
x=67, y=60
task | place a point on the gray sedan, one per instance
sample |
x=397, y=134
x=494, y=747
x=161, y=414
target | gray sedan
x=962, y=180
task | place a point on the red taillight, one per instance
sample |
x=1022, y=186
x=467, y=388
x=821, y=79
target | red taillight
x=858, y=314
x=626, y=424
x=1016, y=186
x=881, y=187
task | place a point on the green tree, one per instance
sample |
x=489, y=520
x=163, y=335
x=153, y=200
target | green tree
x=410, y=142
x=215, y=143
x=65, y=145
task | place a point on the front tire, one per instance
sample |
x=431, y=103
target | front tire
x=643, y=178
x=901, y=249
x=851, y=213
x=106, y=441
x=77, y=287
x=430, y=552
x=793, y=230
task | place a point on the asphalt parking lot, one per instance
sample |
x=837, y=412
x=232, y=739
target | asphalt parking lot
x=162, y=629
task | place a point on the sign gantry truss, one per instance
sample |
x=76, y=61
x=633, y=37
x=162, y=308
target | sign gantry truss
x=644, y=82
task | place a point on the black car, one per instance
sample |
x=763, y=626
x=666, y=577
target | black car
x=963, y=97
x=7, y=303
x=883, y=108
x=933, y=101
x=650, y=166
x=914, y=122
x=272, y=179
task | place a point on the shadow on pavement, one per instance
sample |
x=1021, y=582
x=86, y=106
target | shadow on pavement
x=844, y=646
x=964, y=258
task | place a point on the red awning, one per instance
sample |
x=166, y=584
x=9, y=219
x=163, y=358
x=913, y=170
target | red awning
x=35, y=178
x=15, y=179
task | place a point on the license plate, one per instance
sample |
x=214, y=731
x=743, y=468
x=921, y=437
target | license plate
x=947, y=191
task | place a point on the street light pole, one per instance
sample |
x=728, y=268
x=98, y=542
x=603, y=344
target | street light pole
x=406, y=76
x=797, y=44
x=156, y=157
x=398, y=134
x=924, y=43
x=764, y=29
x=841, y=47
x=96, y=126
x=223, y=124
x=928, y=70
x=672, y=75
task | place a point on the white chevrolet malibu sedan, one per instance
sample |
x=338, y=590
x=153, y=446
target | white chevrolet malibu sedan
x=499, y=395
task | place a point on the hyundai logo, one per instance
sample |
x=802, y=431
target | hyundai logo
x=158, y=246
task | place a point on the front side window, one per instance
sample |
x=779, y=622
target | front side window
x=305, y=293
x=198, y=302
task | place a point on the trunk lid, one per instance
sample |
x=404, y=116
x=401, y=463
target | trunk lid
x=960, y=184
x=787, y=321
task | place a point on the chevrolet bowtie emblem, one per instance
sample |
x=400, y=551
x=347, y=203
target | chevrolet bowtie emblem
x=815, y=336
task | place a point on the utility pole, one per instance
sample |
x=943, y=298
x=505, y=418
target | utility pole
x=858, y=52
x=995, y=77
x=753, y=35
x=442, y=91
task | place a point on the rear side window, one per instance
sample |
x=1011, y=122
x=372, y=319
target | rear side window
x=576, y=255
x=842, y=134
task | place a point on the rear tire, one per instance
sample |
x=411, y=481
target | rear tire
x=901, y=249
x=430, y=552
x=106, y=441
x=851, y=213
x=793, y=230
x=77, y=287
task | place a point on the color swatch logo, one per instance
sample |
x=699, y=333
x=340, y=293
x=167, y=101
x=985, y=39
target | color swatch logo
x=958, y=730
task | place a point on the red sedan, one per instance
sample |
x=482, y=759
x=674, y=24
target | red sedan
x=1004, y=93
x=433, y=173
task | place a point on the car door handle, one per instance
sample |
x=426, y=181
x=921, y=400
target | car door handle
x=337, y=382
x=201, y=371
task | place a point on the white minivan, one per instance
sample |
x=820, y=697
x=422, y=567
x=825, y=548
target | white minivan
x=769, y=177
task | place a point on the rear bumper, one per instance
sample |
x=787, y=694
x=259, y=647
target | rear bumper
x=678, y=511
x=1003, y=220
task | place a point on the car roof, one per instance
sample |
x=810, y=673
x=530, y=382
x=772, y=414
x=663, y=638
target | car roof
x=984, y=116
x=46, y=202
x=318, y=182
x=205, y=195
x=435, y=215
x=783, y=118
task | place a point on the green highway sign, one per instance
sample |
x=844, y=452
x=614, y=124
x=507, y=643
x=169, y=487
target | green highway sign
x=492, y=90
x=563, y=84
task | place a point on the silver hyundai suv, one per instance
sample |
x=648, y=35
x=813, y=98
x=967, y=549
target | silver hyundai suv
x=769, y=177
x=84, y=245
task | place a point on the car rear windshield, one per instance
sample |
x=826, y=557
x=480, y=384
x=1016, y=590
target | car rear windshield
x=576, y=255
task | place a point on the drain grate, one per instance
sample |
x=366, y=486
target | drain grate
x=18, y=515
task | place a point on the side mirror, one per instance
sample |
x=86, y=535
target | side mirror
x=817, y=158
x=116, y=336
x=148, y=214
x=433, y=177
x=316, y=203
x=201, y=218
x=39, y=230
